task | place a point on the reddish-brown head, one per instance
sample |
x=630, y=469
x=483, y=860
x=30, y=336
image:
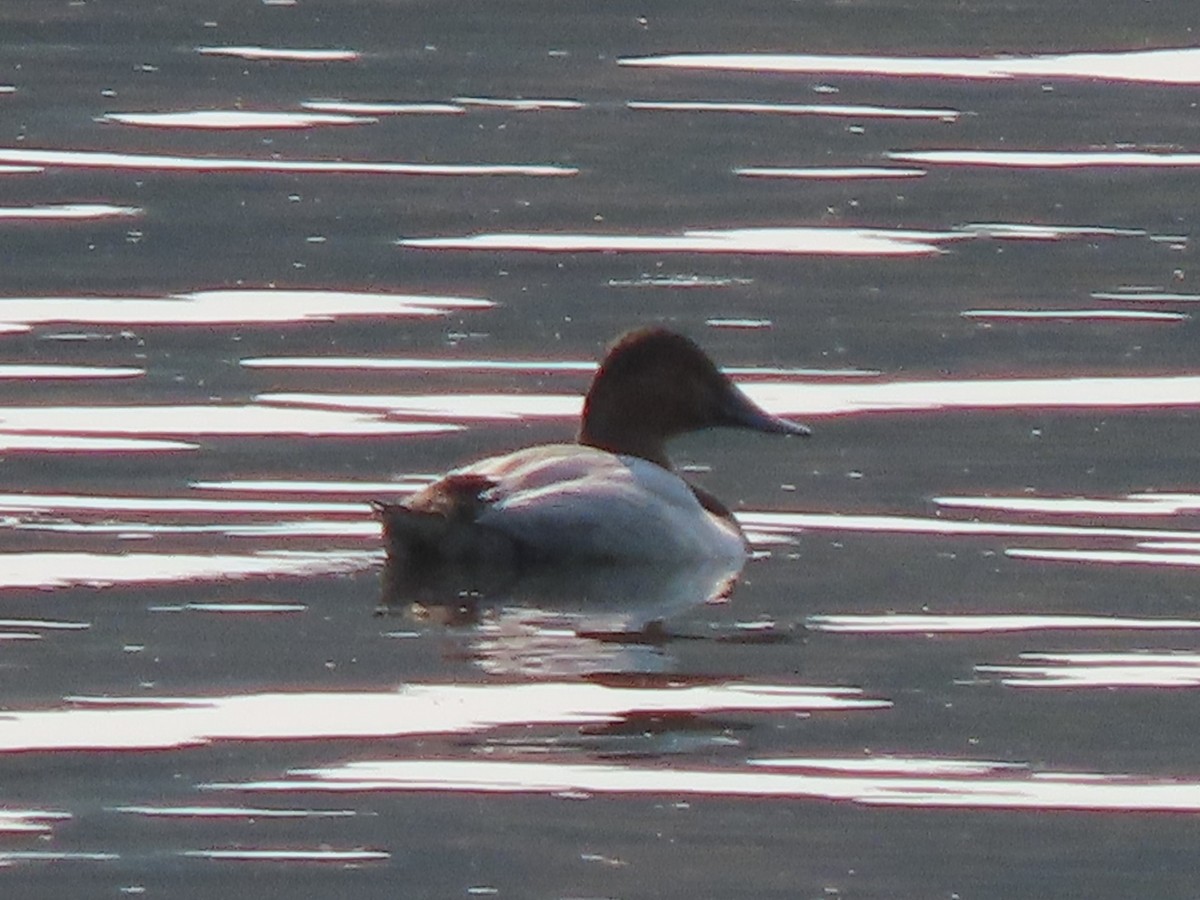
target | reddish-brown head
x=655, y=384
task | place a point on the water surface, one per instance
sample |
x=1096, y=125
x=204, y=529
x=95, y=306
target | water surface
x=266, y=262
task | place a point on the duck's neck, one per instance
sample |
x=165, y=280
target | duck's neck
x=615, y=436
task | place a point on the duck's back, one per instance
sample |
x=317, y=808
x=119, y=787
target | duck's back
x=572, y=502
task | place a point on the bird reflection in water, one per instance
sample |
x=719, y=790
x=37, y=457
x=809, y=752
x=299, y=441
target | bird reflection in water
x=560, y=621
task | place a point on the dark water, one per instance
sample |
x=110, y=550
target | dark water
x=964, y=659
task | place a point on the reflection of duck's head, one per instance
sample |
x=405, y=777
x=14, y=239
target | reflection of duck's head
x=655, y=384
x=611, y=497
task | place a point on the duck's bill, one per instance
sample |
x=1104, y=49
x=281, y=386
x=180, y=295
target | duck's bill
x=742, y=412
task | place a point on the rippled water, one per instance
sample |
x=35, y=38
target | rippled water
x=266, y=262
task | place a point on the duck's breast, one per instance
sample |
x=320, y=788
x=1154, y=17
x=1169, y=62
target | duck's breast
x=567, y=501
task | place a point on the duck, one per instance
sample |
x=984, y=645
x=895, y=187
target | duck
x=612, y=496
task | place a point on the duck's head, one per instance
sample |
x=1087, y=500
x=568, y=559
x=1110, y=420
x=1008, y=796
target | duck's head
x=655, y=384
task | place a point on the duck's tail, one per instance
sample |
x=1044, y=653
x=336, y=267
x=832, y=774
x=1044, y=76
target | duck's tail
x=420, y=540
x=412, y=537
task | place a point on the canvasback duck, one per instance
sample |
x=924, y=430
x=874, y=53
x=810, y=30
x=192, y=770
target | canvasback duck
x=612, y=496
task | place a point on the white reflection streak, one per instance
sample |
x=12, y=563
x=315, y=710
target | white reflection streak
x=1163, y=66
x=1111, y=557
x=8, y=857
x=1099, y=670
x=42, y=372
x=99, y=159
x=1189, y=502
x=519, y=104
x=1132, y=296
x=482, y=407
x=1192, y=546
x=106, y=503
x=791, y=522
x=899, y=765
x=218, y=307
x=978, y=623
x=50, y=570
x=29, y=821
x=146, y=723
x=1015, y=231
x=368, y=529
x=1048, y=159
x=234, y=119
x=799, y=241
x=281, y=53
x=828, y=172
x=189, y=421
x=681, y=280
x=67, y=443
x=373, y=488
x=232, y=812
x=797, y=109
x=1133, y=505
x=67, y=212
x=240, y=608
x=729, y=322
x=392, y=364
x=1094, y=392
x=367, y=108
x=45, y=624
x=315, y=855
x=1048, y=791
x=1089, y=315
